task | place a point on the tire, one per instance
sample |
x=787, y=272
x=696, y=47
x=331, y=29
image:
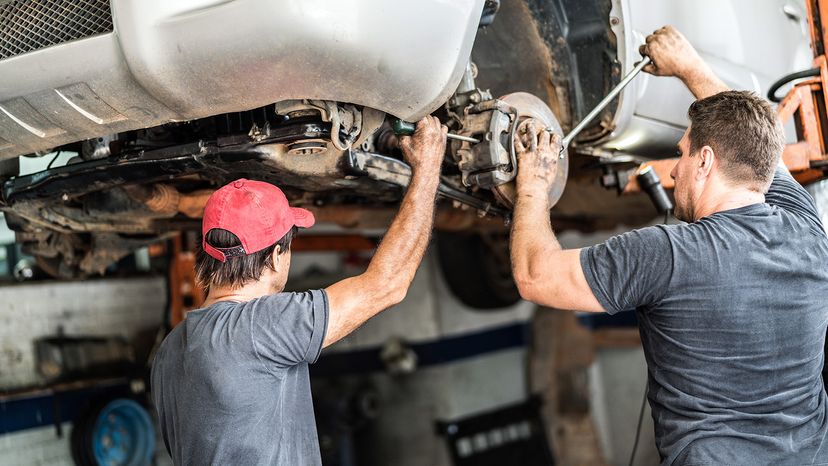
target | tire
x=477, y=269
x=113, y=432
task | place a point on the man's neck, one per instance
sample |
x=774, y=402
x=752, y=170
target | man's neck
x=728, y=199
x=248, y=292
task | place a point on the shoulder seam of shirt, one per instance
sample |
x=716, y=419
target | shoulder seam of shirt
x=256, y=347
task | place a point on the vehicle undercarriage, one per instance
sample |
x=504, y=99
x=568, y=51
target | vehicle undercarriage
x=129, y=189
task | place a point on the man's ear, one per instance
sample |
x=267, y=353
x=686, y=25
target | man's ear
x=706, y=160
x=277, y=257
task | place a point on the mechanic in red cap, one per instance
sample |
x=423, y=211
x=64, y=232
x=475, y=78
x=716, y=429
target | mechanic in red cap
x=230, y=383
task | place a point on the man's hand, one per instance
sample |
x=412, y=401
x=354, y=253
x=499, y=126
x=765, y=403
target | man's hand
x=672, y=55
x=544, y=273
x=538, y=152
x=425, y=150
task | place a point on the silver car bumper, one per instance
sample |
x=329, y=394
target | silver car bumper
x=181, y=60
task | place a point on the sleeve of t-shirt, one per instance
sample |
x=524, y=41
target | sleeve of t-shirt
x=289, y=328
x=631, y=270
x=786, y=193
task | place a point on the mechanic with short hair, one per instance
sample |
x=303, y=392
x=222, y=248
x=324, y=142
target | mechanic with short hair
x=731, y=305
x=230, y=383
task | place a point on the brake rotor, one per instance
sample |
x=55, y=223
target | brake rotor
x=529, y=106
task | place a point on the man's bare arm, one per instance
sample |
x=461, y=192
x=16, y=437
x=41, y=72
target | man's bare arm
x=544, y=273
x=385, y=283
x=673, y=55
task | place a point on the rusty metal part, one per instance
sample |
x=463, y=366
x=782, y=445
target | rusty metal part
x=161, y=198
x=192, y=205
x=490, y=161
x=166, y=199
x=185, y=293
x=446, y=218
x=529, y=106
x=312, y=243
x=307, y=147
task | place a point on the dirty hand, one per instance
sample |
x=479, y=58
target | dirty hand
x=538, y=152
x=425, y=150
x=671, y=53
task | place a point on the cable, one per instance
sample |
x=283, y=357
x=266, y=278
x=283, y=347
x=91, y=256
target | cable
x=788, y=78
x=638, y=429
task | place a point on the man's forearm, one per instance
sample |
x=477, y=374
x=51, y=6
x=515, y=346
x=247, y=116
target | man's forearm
x=703, y=82
x=385, y=282
x=532, y=233
x=401, y=251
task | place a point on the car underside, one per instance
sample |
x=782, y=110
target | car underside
x=155, y=128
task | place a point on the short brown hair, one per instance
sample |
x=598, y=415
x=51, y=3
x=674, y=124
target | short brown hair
x=236, y=271
x=743, y=131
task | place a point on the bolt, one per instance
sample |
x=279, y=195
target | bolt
x=474, y=98
x=615, y=21
x=65, y=197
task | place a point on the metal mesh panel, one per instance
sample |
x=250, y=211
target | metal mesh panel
x=27, y=25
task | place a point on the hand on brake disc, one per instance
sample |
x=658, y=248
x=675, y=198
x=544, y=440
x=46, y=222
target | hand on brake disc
x=538, y=151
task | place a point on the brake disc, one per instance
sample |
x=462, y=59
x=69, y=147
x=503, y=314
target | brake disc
x=529, y=106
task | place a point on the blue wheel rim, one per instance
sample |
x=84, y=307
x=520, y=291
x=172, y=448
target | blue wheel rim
x=123, y=435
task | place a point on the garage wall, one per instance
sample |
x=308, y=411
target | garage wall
x=122, y=307
x=125, y=307
x=36, y=447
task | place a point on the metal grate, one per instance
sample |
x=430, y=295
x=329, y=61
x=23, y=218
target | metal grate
x=27, y=25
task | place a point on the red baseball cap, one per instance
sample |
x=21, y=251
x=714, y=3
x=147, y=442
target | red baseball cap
x=255, y=211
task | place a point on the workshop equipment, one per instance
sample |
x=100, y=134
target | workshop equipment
x=806, y=104
x=406, y=128
x=651, y=184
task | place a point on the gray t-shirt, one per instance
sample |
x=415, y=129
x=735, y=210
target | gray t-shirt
x=231, y=386
x=732, y=313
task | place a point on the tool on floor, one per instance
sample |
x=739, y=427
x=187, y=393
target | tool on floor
x=405, y=128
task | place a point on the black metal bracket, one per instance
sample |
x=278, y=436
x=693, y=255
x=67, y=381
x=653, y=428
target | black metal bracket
x=390, y=170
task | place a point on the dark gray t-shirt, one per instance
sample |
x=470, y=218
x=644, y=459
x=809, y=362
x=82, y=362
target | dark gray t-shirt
x=732, y=313
x=231, y=386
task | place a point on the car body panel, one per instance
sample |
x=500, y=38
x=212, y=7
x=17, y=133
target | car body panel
x=168, y=61
x=748, y=44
